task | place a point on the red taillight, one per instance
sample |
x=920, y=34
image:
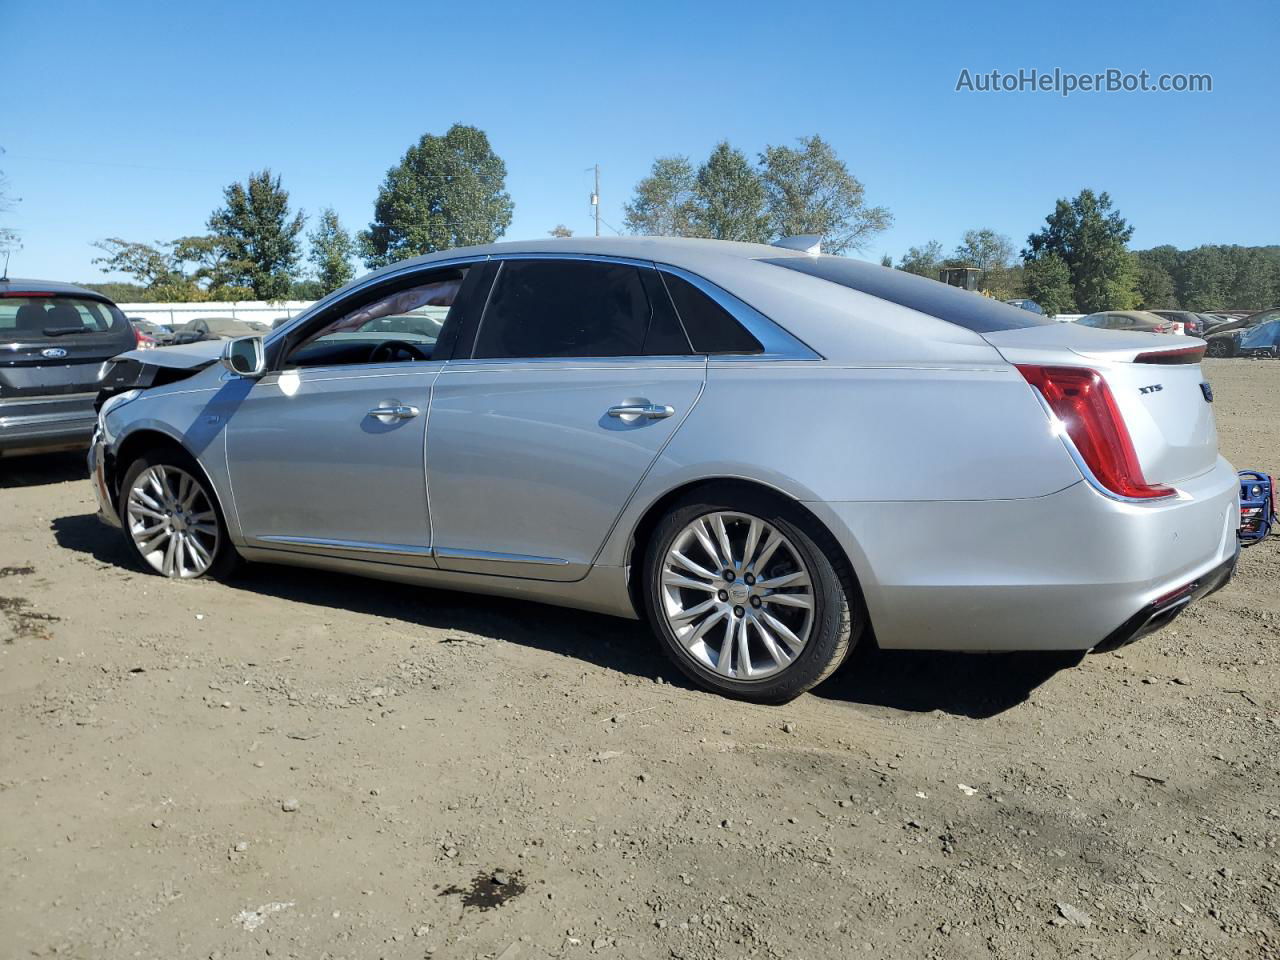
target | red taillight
x=1081, y=399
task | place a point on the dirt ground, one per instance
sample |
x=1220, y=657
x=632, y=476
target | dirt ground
x=305, y=765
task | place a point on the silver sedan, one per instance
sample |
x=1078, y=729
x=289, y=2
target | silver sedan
x=765, y=452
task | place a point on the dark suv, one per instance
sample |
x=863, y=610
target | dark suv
x=54, y=338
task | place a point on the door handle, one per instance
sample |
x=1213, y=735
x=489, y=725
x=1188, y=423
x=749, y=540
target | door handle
x=634, y=411
x=390, y=412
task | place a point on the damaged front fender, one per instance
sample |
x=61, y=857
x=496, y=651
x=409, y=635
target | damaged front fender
x=142, y=369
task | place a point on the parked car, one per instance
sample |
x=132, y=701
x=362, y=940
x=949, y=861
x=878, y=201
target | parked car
x=1132, y=321
x=1192, y=324
x=215, y=328
x=1209, y=322
x=156, y=331
x=1026, y=305
x=1238, y=337
x=1260, y=340
x=765, y=453
x=54, y=339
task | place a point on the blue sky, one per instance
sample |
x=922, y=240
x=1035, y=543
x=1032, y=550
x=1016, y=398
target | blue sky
x=130, y=117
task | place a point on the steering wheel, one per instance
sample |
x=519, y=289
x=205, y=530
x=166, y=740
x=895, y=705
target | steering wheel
x=390, y=350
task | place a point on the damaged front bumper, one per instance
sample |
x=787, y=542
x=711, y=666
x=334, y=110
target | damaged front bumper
x=107, y=512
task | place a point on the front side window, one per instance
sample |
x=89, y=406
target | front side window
x=402, y=326
x=569, y=308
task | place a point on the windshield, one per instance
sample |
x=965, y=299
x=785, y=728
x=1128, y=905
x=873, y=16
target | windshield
x=45, y=317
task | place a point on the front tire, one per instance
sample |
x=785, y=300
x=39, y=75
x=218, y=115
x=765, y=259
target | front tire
x=750, y=597
x=171, y=518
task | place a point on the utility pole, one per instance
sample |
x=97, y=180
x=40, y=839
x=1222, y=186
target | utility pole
x=595, y=199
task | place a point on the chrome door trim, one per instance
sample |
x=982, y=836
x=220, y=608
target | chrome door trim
x=350, y=546
x=778, y=343
x=459, y=364
x=449, y=553
x=369, y=281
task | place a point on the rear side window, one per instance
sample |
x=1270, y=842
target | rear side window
x=45, y=318
x=711, y=328
x=567, y=308
x=969, y=310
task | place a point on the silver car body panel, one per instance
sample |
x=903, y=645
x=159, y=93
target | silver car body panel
x=915, y=441
x=578, y=466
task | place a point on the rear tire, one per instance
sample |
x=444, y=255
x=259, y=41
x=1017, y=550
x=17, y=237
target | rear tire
x=171, y=518
x=743, y=615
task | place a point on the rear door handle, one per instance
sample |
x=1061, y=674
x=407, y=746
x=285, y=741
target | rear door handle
x=390, y=412
x=634, y=411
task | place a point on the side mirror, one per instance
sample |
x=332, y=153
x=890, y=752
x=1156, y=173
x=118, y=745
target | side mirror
x=245, y=357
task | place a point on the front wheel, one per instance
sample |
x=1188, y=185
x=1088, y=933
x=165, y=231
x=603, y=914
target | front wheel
x=171, y=518
x=1217, y=348
x=750, y=597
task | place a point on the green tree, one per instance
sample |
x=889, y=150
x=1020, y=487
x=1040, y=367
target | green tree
x=1257, y=278
x=1155, y=286
x=922, y=261
x=257, y=236
x=1207, y=278
x=1090, y=238
x=811, y=191
x=990, y=252
x=729, y=198
x=663, y=204
x=331, y=252
x=447, y=191
x=154, y=266
x=186, y=269
x=1048, y=282
x=560, y=230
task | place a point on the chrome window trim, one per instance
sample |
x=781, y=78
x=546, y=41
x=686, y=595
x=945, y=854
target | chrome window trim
x=597, y=257
x=450, y=553
x=778, y=343
x=324, y=303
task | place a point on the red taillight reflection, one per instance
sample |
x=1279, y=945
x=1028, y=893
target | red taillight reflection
x=1081, y=399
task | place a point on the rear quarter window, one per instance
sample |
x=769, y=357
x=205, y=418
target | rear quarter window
x=969, y=310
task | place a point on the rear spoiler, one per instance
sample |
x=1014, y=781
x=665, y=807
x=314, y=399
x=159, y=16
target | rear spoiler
x=1176, y=355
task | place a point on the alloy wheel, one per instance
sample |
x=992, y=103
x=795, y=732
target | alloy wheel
x=737, y=595
x=172, y=521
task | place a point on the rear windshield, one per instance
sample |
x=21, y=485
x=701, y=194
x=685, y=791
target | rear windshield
x=44, y=318
x=972, y=311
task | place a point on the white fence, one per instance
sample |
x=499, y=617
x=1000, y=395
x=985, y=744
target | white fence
x=174, y=315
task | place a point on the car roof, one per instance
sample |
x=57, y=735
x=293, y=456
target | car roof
x=691, y=253
x=20, y=285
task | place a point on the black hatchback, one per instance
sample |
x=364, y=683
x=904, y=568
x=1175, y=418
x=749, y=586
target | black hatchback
x=54, y=339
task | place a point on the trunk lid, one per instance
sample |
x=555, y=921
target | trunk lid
x=1156, y=381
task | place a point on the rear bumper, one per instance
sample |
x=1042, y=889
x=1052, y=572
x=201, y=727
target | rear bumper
x=1064, y=572
x=1164, y=610
x=43, y=424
